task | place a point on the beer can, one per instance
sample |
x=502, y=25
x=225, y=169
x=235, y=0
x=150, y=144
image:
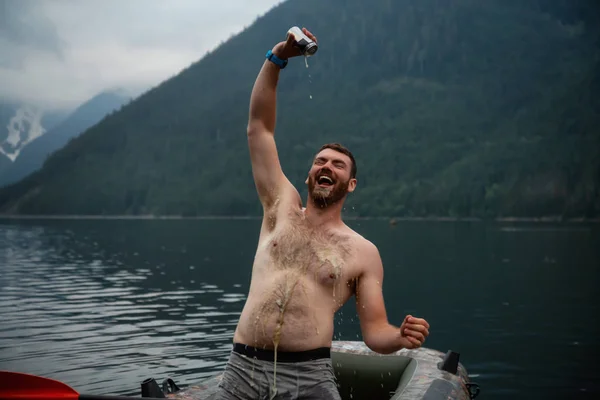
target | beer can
x=303, y=42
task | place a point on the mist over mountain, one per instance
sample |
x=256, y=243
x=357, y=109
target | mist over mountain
x=31, y=156
x=462, y=108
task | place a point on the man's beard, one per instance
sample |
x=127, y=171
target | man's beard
x=327, y=196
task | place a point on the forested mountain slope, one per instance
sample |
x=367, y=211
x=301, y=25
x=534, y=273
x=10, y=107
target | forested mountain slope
x=452, y=108
x=4, y=163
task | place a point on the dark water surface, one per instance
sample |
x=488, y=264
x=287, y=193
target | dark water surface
x=104, y=304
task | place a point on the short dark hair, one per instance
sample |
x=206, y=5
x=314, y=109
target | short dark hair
x=343, y=150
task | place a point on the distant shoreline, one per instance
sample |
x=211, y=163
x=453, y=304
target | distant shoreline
x=391, y=219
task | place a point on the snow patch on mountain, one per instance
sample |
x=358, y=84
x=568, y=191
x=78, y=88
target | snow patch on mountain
x=24, y=126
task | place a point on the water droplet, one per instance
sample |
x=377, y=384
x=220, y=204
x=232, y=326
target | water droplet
x=310, y=96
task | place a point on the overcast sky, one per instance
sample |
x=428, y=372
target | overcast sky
x=59, y=53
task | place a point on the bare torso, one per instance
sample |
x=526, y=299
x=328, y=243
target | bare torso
x=301, y=276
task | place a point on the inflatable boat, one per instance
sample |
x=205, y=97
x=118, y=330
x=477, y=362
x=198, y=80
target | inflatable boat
x=363, y=374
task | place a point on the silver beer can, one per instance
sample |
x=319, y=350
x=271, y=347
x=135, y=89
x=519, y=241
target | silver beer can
x=303, y=42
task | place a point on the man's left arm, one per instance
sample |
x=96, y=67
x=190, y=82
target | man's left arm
x=378, y=334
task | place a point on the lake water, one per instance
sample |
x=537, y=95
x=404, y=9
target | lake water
x=104, y=304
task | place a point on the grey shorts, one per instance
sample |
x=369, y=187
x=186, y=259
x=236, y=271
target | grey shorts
x=251, y=374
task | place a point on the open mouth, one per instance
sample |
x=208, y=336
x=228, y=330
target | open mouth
x=325, y=181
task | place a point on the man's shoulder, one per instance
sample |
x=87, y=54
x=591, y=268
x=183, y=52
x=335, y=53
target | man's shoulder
x=363, y=245
x=367, y=258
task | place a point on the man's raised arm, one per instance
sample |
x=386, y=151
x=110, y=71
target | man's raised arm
x=266, y=168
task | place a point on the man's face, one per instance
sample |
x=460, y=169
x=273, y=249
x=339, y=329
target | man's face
x=329, y=177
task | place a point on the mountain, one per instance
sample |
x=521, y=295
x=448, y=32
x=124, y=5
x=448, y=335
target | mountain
x=4, y=163
x=462, y=108
x=22, y=123
x=34, y=154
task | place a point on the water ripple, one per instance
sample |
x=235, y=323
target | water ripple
x=94, y=322
x=104, y=305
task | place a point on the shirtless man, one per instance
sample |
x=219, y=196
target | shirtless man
x=307, y=265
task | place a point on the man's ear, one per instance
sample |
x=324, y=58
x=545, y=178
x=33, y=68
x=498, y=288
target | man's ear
x=352, y=185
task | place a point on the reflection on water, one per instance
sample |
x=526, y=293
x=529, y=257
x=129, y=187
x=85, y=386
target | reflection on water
x=103, y=305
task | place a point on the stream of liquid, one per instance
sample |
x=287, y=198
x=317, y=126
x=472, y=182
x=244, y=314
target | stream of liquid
x=309, y=77
x=282, y=305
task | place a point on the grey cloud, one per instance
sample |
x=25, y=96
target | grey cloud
x=57, y=54
x=24, y=27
